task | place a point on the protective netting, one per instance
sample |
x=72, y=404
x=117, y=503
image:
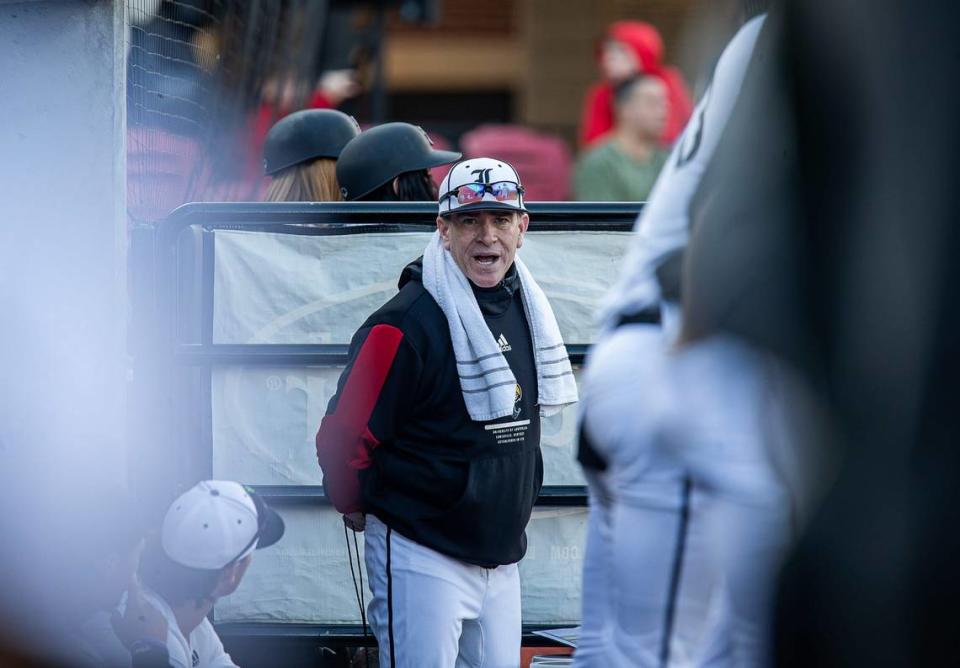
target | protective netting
x=205, y=80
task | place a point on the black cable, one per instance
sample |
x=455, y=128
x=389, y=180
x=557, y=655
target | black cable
x=357, y=589
x=363, y=605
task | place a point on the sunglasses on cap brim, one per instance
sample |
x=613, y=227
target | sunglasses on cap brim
x=502, y=191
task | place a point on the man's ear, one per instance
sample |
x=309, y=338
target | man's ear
x=443, y=226
x=230, y=578
x=524, y=224
x=396, y=185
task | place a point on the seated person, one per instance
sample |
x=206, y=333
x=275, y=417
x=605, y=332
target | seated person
x=201, y=554
x=107, y=546
x=625, y=168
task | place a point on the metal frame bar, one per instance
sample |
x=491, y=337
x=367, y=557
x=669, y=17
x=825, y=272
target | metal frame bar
x=343, y=634
x=283, y=354
x=209, y=254
x=313, y=495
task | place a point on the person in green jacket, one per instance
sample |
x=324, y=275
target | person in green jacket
x=625, y=168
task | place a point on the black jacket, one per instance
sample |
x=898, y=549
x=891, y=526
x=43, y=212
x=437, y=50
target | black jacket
x=397, y=440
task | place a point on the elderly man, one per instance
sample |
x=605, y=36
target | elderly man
x=432, y=441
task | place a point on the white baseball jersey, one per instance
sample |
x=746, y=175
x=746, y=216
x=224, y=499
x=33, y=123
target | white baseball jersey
x=202, y=649
x=653, y=568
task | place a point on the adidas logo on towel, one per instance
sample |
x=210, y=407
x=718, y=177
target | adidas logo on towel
x=504, y=344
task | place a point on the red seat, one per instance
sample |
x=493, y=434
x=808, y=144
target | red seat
x=543, y=161
x=441, y=144
x=164, y=170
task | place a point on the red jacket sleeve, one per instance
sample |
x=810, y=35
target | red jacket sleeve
x=680, y=104
x=374, y=391
x=597, y=119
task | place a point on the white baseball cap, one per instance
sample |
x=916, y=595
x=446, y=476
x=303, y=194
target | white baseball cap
x=216, y=523
x=481, y=183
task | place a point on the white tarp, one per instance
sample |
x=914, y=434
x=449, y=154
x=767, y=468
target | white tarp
x=306, y=576
x=265, y=420
x=290, y=288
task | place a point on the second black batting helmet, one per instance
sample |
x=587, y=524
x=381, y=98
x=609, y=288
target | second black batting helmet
x=307, y=135
x=382, y=153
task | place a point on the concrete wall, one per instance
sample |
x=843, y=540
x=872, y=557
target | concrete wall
x=62, y=237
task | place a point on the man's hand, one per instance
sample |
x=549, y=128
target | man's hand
x=355, y=521
x=140, y=620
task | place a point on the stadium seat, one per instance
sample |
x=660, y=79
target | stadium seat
x=543, y=161
x=441, y=144
x=160, y=172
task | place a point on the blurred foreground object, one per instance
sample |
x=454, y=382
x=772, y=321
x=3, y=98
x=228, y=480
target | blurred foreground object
x=679, y=441
x=832, y=244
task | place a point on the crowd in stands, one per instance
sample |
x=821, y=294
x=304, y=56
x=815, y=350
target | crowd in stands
x=630, y=118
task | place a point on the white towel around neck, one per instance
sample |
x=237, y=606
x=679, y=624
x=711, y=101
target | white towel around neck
x=487, y=382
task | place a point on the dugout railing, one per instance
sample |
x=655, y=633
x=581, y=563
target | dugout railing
x=178, y=349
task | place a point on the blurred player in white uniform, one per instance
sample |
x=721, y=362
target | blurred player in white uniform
x=688, y=515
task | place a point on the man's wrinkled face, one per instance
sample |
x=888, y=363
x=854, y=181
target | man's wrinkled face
x=483, y=243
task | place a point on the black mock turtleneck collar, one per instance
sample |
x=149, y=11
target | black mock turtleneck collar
x=495, y=301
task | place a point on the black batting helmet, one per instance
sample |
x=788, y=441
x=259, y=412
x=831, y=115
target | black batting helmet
x=307, y=135
x=384, y=152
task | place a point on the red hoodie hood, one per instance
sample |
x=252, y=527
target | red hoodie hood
x=641, y=38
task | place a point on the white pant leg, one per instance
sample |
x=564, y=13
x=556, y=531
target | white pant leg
x=657, y=584
x=597, y=581
x=492, y=640
x=725, y=434
x=419, y=599
x=668, y=583
x=750, y=536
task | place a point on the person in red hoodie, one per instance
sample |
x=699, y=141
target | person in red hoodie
x=631, y=48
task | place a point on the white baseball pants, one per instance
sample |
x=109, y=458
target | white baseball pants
x=432, y=611
x=692, y=517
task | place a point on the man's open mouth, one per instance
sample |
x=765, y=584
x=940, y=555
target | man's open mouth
x=485, y=258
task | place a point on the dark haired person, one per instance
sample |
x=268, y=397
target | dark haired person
x=625, y=167
x=201, y=554
x=390, y=163
x=105, y=533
